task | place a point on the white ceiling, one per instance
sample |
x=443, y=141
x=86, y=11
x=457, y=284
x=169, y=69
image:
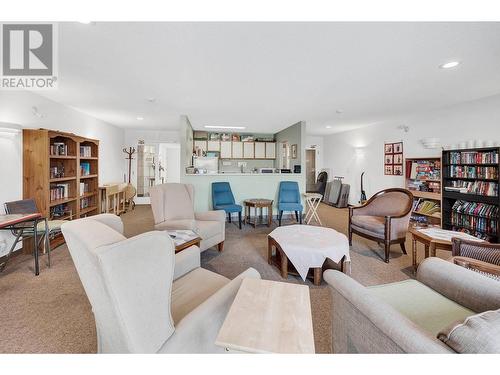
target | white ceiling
x=266, y=76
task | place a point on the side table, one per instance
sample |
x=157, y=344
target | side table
x=256, y=204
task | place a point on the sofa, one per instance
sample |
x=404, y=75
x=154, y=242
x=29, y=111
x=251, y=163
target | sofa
x=173, y=208
x=145, y=298
x=408, y=316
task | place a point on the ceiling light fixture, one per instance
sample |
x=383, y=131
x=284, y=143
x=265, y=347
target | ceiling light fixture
x=451, y=64
x=224, y=127
x=339, y=111
x=140, y=118
x=328, y=127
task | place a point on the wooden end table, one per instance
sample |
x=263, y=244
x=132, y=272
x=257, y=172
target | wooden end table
x=261, y=318
x=256, y=204
x=184, y=238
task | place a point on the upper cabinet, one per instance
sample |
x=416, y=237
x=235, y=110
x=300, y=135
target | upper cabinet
x=237, y=150
x=213, y=146
x=248, y=150
x=226, y=150
x=270, y=150
x=260, y=150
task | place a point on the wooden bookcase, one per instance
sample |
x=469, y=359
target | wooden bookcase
x=60, y=171
x=472, y=210
x=423, y=179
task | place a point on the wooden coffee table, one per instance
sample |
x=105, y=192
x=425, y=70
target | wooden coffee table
x=269, y=317
x=256, y=204
x=431, y=244
x=184, y=239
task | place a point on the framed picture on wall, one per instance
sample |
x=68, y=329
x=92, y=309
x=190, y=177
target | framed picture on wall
x=294, y=151
x=393, y=159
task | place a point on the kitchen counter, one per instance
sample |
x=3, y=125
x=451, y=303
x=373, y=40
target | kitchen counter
x=262, y=185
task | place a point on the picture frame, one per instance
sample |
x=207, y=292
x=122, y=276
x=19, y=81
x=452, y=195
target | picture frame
x=397, y=170
x=388, y=148
x=389, y=159
x=393, y=158
x=398, y=148
x=388, y=170
x=294, y=151
x=398, y=159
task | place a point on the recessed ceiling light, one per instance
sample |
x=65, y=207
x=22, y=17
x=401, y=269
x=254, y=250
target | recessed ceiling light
x=450, y=64
x=339, y=111
x=151, y=100
x=328, y=127
x=224, y=127
x=140, y=118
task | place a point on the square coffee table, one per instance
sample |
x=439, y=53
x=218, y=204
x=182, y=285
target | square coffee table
x=184, y=238
x=268, y=317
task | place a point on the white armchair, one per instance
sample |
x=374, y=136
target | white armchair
x=145, y=298
x=173, y=208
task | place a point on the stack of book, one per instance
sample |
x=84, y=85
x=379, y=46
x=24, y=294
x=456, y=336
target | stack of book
x=58, y=149
x=59, y=191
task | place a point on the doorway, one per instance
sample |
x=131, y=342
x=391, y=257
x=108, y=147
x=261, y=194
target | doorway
x=310, y=169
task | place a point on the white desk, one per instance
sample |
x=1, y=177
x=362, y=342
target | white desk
x=269, y=317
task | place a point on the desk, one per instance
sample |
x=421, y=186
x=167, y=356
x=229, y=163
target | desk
x=268, y=317
x=18, y=223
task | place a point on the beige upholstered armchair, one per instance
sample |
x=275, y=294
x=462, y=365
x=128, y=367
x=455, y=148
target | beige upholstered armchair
x=416, y=316
x=481, y=257
x=145, y=298
x=173, y=208
x=384, y=218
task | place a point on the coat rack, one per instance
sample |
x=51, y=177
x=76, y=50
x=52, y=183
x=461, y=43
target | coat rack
x=129, y=152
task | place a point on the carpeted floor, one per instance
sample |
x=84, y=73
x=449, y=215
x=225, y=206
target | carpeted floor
x=51, y=313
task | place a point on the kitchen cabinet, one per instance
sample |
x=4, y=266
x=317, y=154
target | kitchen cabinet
x=237, y=150
x=248, y=150
x=260, y=150
x=213, y=146
x=225, y=150
x=270, y=150
x=202, y=145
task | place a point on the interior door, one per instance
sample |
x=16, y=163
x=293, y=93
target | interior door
x=310, y=169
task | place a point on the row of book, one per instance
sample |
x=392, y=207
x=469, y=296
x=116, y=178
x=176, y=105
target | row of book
x=86, y=151
x=423, y=169
x=59, y=191
x=60, y=211
x=59, y=149
x=475, y=209
x=489, y=189
x=474, y=172
x=85, y=202
x=56, y=171
x=84, y=169
x=480, y=235
x=84, y=188
x=427, y=207
x=474, y=157
x=477, y=224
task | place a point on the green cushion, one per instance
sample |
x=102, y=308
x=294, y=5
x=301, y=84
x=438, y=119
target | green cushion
x=422, y=305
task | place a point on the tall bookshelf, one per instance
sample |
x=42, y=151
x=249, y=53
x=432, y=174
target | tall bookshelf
x=470, y=198
x=60, y=171
x=423, y=179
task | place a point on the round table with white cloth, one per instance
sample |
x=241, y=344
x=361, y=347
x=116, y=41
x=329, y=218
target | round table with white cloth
x=307, y=247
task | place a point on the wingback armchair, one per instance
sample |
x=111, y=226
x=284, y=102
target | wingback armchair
x=384, y=218
x=412, y=316
x=145, y=298
x=173, y=208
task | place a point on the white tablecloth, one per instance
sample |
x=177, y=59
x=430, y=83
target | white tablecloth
x=308, y=246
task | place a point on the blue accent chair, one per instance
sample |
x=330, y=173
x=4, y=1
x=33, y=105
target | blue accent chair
x=289, y=200
x=223, y=199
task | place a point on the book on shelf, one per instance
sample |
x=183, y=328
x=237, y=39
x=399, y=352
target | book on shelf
x=461, y=171
x=84, y=169
x=85, y=151
x=478, y=219
x=84, y=188
x=59, y=191
x=473, y=157
x=423, y=175
x=427, y=207
x=59, y=149
x=489, y=189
